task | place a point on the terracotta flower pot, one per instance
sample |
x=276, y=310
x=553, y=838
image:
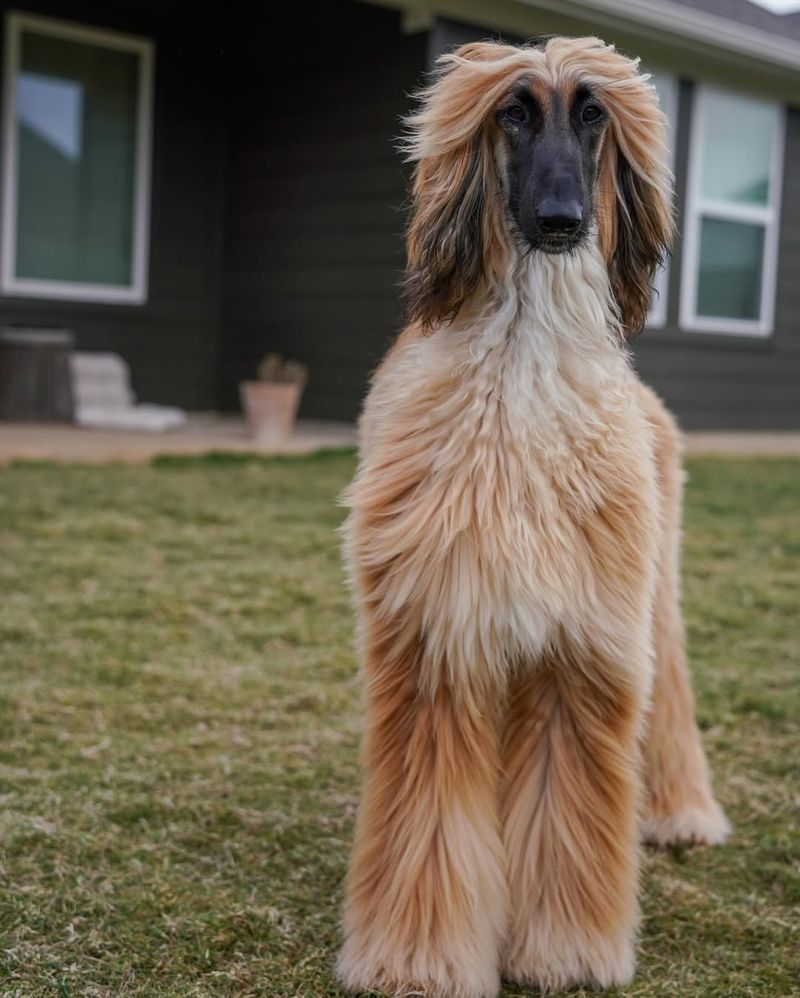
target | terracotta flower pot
x=271, y=409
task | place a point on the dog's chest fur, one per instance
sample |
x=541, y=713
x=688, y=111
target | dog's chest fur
x=507, y=479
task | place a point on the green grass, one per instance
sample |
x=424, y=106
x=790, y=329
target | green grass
x=179, y=721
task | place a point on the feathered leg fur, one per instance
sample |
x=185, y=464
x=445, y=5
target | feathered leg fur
x=426, y=895
x=680, y=802
x=570, y=815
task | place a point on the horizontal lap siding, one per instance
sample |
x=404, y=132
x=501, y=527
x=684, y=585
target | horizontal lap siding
x=314, y=240
x=170, y=342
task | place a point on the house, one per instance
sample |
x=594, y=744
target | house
x=192, y=189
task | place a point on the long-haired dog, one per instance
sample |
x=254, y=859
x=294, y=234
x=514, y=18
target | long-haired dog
x=513, y=541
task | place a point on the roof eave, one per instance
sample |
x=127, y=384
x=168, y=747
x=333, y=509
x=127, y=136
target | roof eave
x=660, y=21
x=675, y=19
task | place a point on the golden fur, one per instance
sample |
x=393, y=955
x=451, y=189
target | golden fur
x=513, y=543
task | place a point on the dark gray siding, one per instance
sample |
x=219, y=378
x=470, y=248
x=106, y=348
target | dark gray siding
x=314, y=218
x=170, y=342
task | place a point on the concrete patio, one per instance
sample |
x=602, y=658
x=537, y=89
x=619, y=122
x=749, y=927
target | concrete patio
x=207, y=432
x=740, y=443
x=203, y=433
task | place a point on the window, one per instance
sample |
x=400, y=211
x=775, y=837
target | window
x=76, y=178
x=667, y=89
x=733, y=203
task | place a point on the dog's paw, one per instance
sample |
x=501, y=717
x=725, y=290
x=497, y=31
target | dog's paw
x=704, y=825
x=555, y=967
x=425, y=974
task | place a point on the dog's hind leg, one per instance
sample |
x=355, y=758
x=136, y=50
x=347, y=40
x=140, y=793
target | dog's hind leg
x=426, y=893
x=680, y=802
x=570, y=813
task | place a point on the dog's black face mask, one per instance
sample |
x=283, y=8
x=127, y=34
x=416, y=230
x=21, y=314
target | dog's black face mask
x=553, y=142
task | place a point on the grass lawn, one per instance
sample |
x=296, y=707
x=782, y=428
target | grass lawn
x=179, y=721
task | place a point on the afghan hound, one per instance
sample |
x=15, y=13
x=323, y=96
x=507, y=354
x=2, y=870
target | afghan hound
x=513, y=542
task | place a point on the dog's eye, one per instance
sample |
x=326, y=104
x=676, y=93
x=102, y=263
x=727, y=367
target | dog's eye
x=592, y=113
x=516, y=113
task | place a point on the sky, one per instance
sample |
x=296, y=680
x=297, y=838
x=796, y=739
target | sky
x=53, y=109
x=779, y=6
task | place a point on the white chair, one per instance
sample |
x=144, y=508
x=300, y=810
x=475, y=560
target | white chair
x=104, y=397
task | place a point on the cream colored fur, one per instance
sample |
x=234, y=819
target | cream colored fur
x=503, y=429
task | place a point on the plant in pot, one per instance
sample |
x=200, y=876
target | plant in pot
x=271, y=402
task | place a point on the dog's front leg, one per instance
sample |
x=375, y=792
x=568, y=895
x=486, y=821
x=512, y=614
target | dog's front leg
x=570, y=822
x=426, y=894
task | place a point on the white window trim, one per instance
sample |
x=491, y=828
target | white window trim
x=657, y=316
x=10, y=284
x=767, y=215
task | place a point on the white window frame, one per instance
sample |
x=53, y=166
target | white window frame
x=698, y=207
x=136, y=292
x=657, y=315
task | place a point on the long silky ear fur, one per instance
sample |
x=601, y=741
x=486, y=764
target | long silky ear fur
x=643, y=236
x=446, y=250
x=456, y=239
x=634, y=202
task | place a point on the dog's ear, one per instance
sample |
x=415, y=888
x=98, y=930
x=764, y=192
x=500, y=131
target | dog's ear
x=634, y=196
x=455, y=236
x=446, y=247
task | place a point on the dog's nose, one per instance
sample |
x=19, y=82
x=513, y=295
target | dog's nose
x=559, y=217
